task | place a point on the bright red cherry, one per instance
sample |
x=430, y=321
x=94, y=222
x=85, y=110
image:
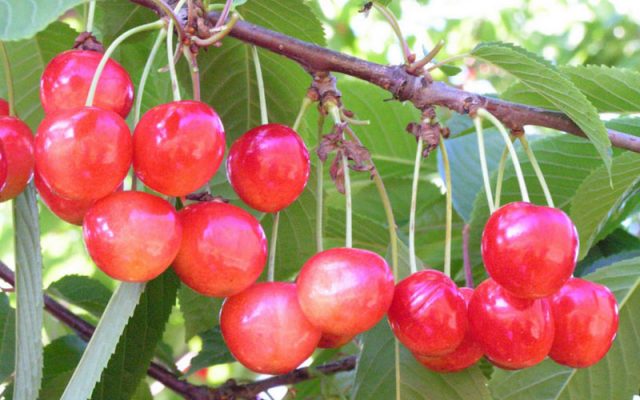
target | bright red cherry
x=428, y=314
x=178, y=147
x=223, y=250
x=530, y=250
x=329, y=341
x=84, y=153
x=3, y=167
x=71, y=211
x=464, y=356
x=66, y=80
x=513, y=332
x=4, y=108
x=268, y=167
x=132, y=236
x=345, y=291
x=265, y=329
x=17, y=141
x=586, y=320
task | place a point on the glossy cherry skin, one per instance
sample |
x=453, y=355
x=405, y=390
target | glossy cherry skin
x=265, y=329
x=530, y=250
x=17, y=141
x=178, y=147
x=329, y=341
x=428, y=314
x=464, y=356
x=3, y=167
x=513, y=332
x=224, y=249
x=345, y=291
x=132, y=236
x=67, y=78
x=4, y=108
x=268, y=167
x=586, y=320
x=71, y=211
x=83, y=154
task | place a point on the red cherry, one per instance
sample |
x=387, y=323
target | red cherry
x=3, y=167
x=71, y=211
x=268, y=167
x=4, y=108
x=17, y=141
x=345, y=291
x=329, y=341
x=513, y=332
x=132, y=236
x=83, y=154
x=266, y=330
x=428, y=314
x=224, y=249
x=586, y=320
x=530, y=250
x=178, y=147
x=464, y=356
x=67, y=78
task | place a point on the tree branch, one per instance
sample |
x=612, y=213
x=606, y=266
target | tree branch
x=229, y=391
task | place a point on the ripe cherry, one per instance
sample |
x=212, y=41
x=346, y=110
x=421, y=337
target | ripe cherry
x=83, y=154
x=132, y=236
x=178, y=147
x=224, y=249
x=513, y=332
x=345, y=291
x=428, y=314
x=17, y=141
x=66, y=80
x=71, y=211
x=530, y=250
x=4, y=108
x=586, y=320
x=265, y=329
x=464, y=356
x=329, y=341
x=268, y=167
x=3, y=167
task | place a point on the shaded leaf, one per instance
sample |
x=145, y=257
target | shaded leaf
x=82, y=291
x=200, y=312
x=7, y=338
x=214, y=351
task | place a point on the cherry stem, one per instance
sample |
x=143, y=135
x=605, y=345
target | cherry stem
x=334, y=110
x=466, y=260
x=8, y=76
x=353, y=121
x=166, y=9
x=222, y=32
x=393, y=22
x=483, y=163
x=111, y=49
x=413, y=264
x=306, y=102
x=396, y=352
x=90, y=16
x=224, y=14
x=271, y=272
x=319, y=192
x=500, y=178
x=514, y=156
x=449, y=218
x=195, y=72
x=430, y=56
x=536, y=168
x=175, y=86
x=145, y=75
x=264, y=115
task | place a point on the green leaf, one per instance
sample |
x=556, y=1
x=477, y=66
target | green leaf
x=540, y=76
x=128, y=365
x=82, y=291
x=29, y=302
x=619, y=245
x=608, y=89
x=60, y=359
x=214, y=351
x=21, y=19
x=7, y=338
x=628, y=125
x=595, y=202
x=104, y=340
x=376, y=374
x=617, y=376
x=200, y=312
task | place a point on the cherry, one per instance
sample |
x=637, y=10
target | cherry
x=268, y=167
x=428, y=314
x=132, y=236
x=17, y=141
x=329, y=341
x=224, y=249
x=83, y=154
x=464, y=356
x=67, y=78
x=4, y=108
x=513, y=332
x=178, y=147
x=71, y=211
x=3, y=167
x=586, y=320
x=345, y=291
x=530, y=250
x=265, y=329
